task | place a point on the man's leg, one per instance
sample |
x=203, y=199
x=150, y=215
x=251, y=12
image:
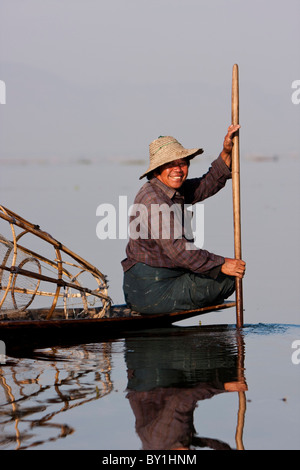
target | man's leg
x=205, y=290
x=162, y=290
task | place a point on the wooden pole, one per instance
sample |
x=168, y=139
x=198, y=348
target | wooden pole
x=236, y=191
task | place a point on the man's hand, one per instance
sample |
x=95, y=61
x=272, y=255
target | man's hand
x=234, y=267
x=235, y=386
x=228, y=144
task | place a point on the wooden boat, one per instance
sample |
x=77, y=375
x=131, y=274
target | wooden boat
x=31, y=328
x=76, y=312
x=118, y=317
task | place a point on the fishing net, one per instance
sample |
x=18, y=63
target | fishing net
x=56, y=280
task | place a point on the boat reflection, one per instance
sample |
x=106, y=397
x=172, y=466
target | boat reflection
x=168, y=375
x=169, y=371
x=33, y=396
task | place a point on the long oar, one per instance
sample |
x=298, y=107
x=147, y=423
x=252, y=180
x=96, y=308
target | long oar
x=236, y=191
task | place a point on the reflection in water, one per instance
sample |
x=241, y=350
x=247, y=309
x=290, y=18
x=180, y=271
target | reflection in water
x=169, y=372
x=168, y=375
x=33, y=397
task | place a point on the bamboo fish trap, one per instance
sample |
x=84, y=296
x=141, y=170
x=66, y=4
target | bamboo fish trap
x=62, y=276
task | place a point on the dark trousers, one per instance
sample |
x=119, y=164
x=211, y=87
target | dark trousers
x=162, y=290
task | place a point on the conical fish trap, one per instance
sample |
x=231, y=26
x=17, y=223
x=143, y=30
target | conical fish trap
x=57, y=279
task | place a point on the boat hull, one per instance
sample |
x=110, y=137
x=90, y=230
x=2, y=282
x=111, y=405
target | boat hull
x=37, y=332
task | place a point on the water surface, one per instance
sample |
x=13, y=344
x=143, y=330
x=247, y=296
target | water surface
x=204, y=387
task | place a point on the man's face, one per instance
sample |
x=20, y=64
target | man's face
x=173, y=174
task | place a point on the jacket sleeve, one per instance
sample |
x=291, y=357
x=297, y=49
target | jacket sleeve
x=198, y=189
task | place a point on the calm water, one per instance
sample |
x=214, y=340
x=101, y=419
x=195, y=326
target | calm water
x=152, y=390
x=128, y=393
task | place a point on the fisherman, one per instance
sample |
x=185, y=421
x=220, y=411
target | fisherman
x=166, y=273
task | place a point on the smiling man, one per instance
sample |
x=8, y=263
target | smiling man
x=164, y=274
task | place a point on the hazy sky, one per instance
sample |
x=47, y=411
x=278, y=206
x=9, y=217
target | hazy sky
x=102, y=78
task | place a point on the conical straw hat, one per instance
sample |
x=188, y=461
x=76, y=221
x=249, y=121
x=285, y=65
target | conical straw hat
x=166, y=149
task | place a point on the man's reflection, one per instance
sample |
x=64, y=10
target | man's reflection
x=169, y=372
